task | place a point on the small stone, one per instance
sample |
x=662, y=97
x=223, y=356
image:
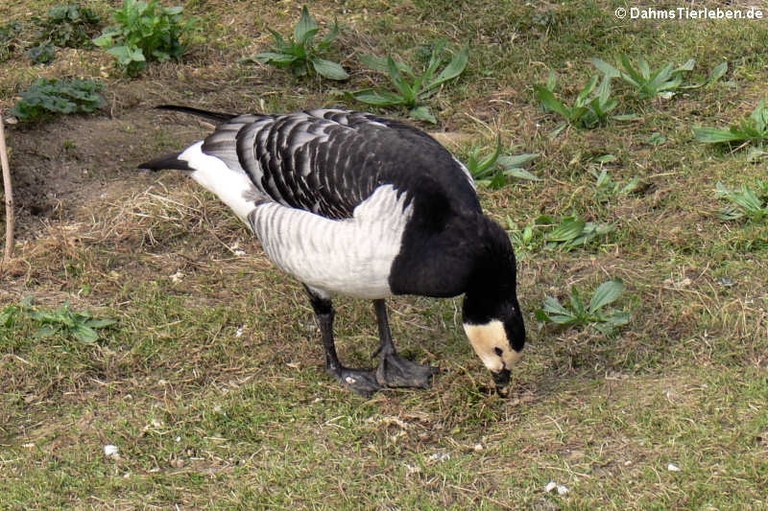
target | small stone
x=561, y=488
x=236, y=250
x=673, y=468
x=440, y=456
x=111, y=451
x=412, y=469
x=726, y=281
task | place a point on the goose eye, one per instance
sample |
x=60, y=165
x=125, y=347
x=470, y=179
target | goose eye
x=498, y=351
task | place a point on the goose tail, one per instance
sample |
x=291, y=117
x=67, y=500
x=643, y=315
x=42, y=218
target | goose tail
x=218, y=117
x=170, y=161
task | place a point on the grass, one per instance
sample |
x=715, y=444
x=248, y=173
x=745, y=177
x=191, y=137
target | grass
x=211, y=382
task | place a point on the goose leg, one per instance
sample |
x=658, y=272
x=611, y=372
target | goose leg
x=361, y=381
x=393, y=370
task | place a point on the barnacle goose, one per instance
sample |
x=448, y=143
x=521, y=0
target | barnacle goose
x=354, y=204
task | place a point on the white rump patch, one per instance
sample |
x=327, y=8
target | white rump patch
x=233, y=187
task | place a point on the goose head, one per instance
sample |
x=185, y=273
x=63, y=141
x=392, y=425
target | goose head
x=493, y=321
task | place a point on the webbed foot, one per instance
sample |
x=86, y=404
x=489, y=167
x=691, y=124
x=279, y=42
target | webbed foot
x=395, y=371
x=360, y=381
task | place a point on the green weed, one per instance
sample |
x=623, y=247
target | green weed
x=64, y=321
x=752, y=130
x=525, y=240
x=9, y=34
x=301, y=54
x=572, y=232
x=81, y=326
x=745, y=203
x=145, y=32
x=495, y=169
x=70, y=26
x=656, y=139
x=46, y=98
x=592, y=107
x=9, y=315
x=43, y=53
x=412, y=89
x=606, y=188
x=664, y=82
x=565, y=234
x=579, y=313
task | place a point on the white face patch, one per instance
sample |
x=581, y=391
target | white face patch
x=491, y=344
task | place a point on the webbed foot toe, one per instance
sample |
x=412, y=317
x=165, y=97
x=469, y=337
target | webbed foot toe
x=395, y=371
x=361, y=381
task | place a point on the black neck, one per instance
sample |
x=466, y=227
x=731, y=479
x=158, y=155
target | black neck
x=492, y=286
x=469, y=255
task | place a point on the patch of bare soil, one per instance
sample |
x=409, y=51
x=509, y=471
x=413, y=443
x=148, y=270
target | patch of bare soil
x=66, y=161
x=64, y=166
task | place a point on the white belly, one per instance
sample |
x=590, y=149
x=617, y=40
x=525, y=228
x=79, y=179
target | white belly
x=351, y=256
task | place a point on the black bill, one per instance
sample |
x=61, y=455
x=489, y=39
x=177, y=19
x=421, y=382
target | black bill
x=501, y=379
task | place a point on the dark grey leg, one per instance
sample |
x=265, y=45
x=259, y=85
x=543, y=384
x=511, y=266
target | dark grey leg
x=361, y=381
x=394, y=371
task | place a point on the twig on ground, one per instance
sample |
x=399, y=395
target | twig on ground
x=8, y=192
